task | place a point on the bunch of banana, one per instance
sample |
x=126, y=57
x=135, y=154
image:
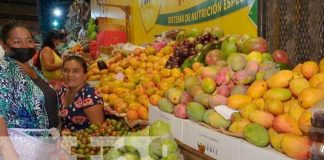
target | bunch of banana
x=91, y=29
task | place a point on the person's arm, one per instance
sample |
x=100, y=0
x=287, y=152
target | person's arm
x=6, y=147
x=48, y=60
x=95, y=114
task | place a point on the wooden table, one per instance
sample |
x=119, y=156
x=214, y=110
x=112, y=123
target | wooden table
x=191, y=154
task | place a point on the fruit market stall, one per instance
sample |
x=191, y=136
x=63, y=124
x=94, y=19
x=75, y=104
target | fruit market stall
x=221, y=96
x=244, y=92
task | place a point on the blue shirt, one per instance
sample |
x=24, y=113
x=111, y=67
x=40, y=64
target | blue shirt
x=22, y=103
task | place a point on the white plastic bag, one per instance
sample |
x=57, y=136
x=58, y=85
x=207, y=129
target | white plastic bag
x=32, y=147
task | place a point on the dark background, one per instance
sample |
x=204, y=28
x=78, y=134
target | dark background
x=36, y=15
x=296, y=26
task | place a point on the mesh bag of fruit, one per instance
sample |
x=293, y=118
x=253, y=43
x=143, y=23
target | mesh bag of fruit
x=32, y=144
x=145, y=148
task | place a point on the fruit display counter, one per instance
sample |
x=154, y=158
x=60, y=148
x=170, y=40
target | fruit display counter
x=266, y=105
x=207, y=141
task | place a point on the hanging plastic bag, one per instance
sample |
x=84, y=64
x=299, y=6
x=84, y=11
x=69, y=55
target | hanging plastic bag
x=33, y=144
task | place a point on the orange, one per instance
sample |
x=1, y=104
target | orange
x=105, y=89
x=121, y=108
x=117, y=101
x=134, y=106
x=132, y=115
x=142, y=113
x=154, y=99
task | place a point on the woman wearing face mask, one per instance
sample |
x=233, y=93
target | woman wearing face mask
x=50, y=59
x=79, y=103
x=26, y=99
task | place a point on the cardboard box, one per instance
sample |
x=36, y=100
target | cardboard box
x=153, y=113
x=190, y=134
x=252, y=152
x=211, y=142
x=177, y=129
x=275, y=155
x=156, y=114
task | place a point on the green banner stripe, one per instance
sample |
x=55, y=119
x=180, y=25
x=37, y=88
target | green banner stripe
x=253, y=14
x=211, y=9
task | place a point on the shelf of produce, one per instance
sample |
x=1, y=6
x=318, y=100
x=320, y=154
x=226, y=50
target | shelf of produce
x=200, y=142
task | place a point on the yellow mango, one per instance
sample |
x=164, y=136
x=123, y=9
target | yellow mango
x=261, y=117
x=257, y=89
x=275, y=139
x=309, y=69
x=309, y=96
x=295, y=146
x=295, y=110
x=280, y=79
x=320, y=85
x=298, y=68
x=238, y=100
x=274, y=106
x=316, y=79
x=285, y=124
x=246, y=110
x=304, y=121
x=259, y=102
x=238, y=126
x=281, y=94
x=321, y=65
x=297, y=85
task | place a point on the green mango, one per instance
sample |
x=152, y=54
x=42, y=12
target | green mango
x=256, y=134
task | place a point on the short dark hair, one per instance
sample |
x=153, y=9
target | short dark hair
x=9, y=27
x=50, y=36
x=78, y=59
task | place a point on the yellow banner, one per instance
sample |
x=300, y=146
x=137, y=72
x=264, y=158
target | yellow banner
x=151, y=17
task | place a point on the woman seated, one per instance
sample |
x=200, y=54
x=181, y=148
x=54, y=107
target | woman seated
x=79, y=103
x=26, y=99
x=50, y=59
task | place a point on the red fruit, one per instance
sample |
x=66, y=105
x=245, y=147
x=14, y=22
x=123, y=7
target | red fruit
x=280, y=56
x=255, y=44
x=180, y=111
x=213, y=57
x=223, y=90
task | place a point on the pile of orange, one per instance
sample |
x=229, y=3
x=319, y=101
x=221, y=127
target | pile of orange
x=137, y=111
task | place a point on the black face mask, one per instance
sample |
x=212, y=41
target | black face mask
x=22, y=54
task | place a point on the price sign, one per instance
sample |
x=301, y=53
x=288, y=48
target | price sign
x=207, y=145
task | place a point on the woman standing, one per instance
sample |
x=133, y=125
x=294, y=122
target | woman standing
x=50, y=59
x=26, y=99
x=79, y=103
